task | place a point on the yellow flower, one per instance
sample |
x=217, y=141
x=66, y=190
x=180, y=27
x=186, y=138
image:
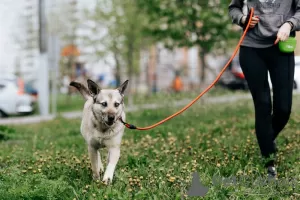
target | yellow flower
x=172, y=179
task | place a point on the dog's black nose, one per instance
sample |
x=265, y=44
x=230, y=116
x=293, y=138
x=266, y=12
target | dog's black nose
x=111, y=117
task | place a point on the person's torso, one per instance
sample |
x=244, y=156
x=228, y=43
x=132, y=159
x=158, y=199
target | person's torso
x=177, y=83
x=272, y=14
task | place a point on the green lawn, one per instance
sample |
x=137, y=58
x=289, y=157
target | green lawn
x=49, y=160
x=75, y=102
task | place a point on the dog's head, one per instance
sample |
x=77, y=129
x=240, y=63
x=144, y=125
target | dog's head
x=108, y=104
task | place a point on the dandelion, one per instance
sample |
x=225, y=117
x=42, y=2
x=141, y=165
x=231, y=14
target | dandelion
x=172, y=179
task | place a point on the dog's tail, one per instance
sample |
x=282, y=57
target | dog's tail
x=82, y=89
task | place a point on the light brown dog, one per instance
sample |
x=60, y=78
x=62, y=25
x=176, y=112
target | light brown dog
x=101, y=126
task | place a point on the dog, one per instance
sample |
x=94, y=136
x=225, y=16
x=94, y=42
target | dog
x=100, y=125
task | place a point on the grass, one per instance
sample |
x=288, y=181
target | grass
x=49, y=160
x=75, y=102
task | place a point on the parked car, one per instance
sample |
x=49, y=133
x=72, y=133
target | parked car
x=14, y=100
x=233, y=77
x=296, y=75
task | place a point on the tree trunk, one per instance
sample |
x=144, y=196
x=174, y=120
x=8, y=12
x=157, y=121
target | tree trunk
x=130, y=70
x=116, y=53
x=118, y=70
x=71, y=74
x=202, y=68
x=152, y=69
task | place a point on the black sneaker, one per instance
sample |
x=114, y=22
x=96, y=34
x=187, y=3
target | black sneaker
x=272, y=174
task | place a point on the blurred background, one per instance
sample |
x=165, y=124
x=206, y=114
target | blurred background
x=164, y=47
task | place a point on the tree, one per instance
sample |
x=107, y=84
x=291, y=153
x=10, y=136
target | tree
x=116, y=27
x=178, y=23
x=63, y=22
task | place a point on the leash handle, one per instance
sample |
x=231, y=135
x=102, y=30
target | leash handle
x=130, y=126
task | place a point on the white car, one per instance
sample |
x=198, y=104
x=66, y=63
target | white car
x=296, y=75
x=12, y=100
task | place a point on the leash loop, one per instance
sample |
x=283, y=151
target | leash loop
x=130, y=126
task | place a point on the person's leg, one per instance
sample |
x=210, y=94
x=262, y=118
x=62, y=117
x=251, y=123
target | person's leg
x=256, y=74
x=282, y=66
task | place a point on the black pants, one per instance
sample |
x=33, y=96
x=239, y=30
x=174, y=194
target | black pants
x=255, y=64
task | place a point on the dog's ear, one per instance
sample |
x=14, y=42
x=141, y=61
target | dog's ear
x=93, y=87
x=81, y=88
x=123, y=87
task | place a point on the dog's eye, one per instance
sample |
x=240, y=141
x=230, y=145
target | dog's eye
x=104, y=104
x=117, y=104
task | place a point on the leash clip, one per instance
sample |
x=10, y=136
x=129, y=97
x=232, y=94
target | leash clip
x=130, y=126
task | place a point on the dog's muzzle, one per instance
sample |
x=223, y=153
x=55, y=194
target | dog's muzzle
x=110, y=119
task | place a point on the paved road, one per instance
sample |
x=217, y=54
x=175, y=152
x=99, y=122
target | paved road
x=77, y=114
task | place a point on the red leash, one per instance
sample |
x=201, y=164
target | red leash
x=130, y=126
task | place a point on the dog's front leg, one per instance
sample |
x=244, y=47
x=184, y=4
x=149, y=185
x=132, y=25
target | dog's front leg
x=93, y=154
x=113, y=158
x=99, y=165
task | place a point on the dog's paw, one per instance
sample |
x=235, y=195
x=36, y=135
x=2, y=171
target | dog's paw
x=109, y=173
x=101, y=168
x=96, y=177
x=106, y=181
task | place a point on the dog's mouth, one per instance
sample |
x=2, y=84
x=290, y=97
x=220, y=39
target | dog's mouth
x=110, y=123
x=109, y=120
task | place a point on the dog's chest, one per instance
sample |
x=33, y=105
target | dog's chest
x=99, y=137
x=103, y=139
x=97, y=142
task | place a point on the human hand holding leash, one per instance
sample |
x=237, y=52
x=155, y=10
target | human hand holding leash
x=253, y=22
x=283, y=32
